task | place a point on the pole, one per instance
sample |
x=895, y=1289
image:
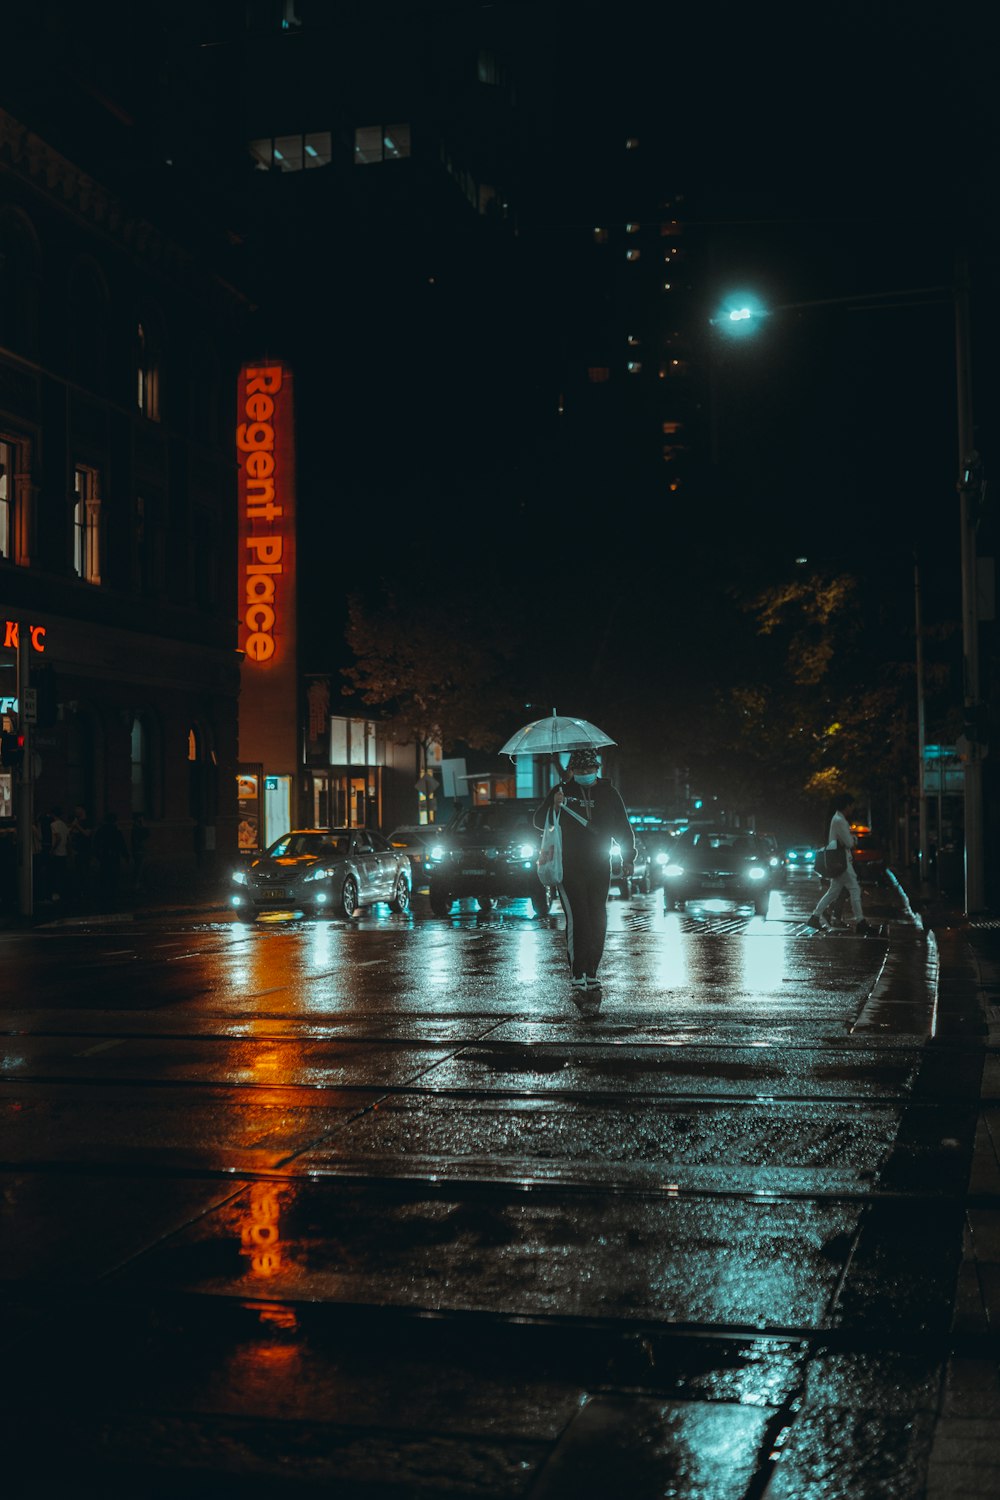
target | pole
x=26, y=784
x=921, y=726
x=968, y=484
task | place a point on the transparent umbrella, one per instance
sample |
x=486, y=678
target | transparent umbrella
x=552, y=735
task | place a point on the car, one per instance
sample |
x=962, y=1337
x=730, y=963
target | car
x=869, y=855
x=488, y=852
x=324, y=871
x=718, y=862
x=800, y=857
x=416, y=841
x=640, y=879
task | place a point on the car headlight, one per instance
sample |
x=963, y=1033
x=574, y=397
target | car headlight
x=757, y=872
x=774, y=861
x=662, y=859
x=241, y=877
x=318, y=872
x=673, y=871
x=792, y=855
x=439, y=852
x=525, y=851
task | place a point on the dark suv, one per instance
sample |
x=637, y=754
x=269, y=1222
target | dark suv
x=488, y=852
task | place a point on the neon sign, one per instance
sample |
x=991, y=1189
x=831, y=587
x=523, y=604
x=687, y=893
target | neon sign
x=11, y=636
x=266, y=490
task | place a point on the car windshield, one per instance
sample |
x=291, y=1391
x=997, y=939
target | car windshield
x=308, y=845
x=501, y=822
x=704, y=844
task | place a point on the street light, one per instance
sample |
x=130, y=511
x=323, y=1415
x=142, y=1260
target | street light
x=741, y=314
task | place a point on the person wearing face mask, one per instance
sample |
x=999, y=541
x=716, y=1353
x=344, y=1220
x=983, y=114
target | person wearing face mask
x=591, y=815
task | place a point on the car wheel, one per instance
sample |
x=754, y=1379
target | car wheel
x=541, y=902
x=440, y=902
x=401, y=895
x=487, y=903
x=349, y=898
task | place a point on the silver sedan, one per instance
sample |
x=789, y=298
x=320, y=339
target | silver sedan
x=325, y=871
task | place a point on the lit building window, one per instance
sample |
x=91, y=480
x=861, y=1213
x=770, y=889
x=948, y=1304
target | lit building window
x=87, y=524
x=147, y=369
x=634, y=366
x=666, y=286
x=598, y=374
x=6, y=500
x=632, y=254
x=632, y=143
x=632, y=228
x=632, y=341
x=293, y=153
x=672, y=227
x=375, y=143
x=600, y=236
x=671, y=428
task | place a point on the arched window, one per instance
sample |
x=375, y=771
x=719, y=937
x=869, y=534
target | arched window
x=88, y=327
x=19, y=283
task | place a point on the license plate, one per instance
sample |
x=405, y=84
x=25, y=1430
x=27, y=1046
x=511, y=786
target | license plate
x=268, y=893
x=468, y=870
x=715, y=881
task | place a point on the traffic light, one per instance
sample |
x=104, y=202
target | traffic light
x=11, y=750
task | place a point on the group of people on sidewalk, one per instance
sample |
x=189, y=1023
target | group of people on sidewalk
x=74, y=860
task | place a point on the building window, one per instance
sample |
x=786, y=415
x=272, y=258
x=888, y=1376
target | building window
x=20, y=262
x=632, y=341
x=600, y=236
x=7, y=470
x=598, y=374
x=634, y=366
x=632, y=228
x=88, y=327
x=632, y=254
x=375, y=143
x=148, y=535
x=293, y=153
x=672, y=428
x=632, y=143
x=87, y=524
x=147, y=367
x=140, y=767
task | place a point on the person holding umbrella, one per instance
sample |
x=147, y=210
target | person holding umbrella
x=591, y=814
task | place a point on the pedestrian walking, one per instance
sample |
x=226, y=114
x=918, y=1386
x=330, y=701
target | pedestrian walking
x=591, y=814
x=137, y=841
x=840, y=837
x=109, y=852
x=58, y=855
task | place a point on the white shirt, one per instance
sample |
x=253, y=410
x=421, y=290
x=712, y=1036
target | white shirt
x=840, y=832
x=60, y=838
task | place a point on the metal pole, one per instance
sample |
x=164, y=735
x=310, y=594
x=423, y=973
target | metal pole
x=967, y=487
x=921, y=725
x=26, y=783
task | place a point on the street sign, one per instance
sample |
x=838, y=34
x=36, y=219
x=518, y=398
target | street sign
x=31, y=705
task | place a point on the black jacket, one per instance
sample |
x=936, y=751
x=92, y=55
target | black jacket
x=604, y=813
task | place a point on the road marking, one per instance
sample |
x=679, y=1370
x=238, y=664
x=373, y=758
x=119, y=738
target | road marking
x=100, y=1047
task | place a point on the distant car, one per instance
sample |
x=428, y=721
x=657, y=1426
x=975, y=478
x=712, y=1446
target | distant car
x=640, y=880
x=868, y=855
x=488, y=852
x=416, y=841
x=800, y=857
x=718, y=862
x=324, y=871
x=775, y=858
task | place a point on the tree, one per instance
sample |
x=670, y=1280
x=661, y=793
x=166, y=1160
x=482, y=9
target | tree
x=439, y=672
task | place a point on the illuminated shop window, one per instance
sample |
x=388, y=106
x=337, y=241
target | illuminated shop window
x=375, y=143
x=87, y=524
x=147, y=369
x=598, y=374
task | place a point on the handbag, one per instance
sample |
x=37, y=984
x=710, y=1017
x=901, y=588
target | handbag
x=550, y=854
x=832, y=861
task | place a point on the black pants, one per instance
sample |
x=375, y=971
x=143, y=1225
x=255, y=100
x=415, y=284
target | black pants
x=584, y=896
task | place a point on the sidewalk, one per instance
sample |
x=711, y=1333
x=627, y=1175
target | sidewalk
x=965, y=1457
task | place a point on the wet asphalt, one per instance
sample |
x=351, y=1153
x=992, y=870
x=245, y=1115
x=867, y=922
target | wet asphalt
x=375, y=1209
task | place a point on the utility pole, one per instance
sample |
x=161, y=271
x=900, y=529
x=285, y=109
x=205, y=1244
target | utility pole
x=969, y=483
x=26, y=782
x=921, y=726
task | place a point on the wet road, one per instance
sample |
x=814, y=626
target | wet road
x=307, y=1202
